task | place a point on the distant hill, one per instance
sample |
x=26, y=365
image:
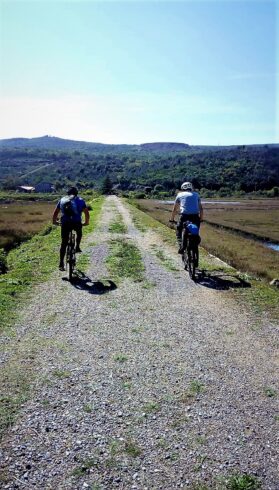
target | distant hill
x=62, y=162
x=54, y=143
x=47, y=142
x=164, y=146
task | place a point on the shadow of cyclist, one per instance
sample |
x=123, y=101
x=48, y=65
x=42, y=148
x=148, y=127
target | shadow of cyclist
x=84, y=283
x=220, y=280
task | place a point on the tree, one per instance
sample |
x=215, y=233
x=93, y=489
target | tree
x=106, y=185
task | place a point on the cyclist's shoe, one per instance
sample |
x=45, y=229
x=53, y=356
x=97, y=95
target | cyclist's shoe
x=180, y=250
x=78, y=251
x=61, y=267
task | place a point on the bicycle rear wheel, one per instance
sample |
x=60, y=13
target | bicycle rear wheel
x=71, y=256
x=191, y=263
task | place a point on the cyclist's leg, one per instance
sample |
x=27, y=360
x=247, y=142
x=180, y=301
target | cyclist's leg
x=179, y=228
x=65, y=230
x=78, y=229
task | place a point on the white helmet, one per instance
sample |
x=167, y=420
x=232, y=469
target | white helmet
x=187, y=186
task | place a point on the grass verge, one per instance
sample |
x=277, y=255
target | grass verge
x=125, y=261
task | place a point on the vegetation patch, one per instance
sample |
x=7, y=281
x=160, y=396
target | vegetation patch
x=125, y=261
x=84, y=467
x=118, y=225
x=120, y=358
x=150, y=407
x=132, y=449
x=166, y=261
x=242, y=482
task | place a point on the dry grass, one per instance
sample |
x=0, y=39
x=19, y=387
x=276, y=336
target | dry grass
x=260, y=218
x=19, y=221
x=243, y=253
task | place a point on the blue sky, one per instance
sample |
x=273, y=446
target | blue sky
x=199, y=72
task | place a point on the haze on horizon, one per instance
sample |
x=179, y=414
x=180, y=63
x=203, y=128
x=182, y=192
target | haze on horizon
x=198, y=72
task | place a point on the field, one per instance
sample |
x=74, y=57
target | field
x=229, y=232
x=21, y=220
x=258, y=218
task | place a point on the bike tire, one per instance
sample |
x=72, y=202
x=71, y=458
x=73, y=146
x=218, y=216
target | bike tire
x=196, y=257
x=191, y=263
x=71, y=256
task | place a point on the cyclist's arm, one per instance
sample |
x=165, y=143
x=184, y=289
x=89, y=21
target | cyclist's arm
x=174, y=210
x=87, y=216
x=55, y=215
x=201, y=210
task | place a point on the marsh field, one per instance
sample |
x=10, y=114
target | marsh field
x=235, y=231
x=20, y=220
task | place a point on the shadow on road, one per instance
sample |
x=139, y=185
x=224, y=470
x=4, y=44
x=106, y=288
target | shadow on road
x=84, y=283
x=220, y=281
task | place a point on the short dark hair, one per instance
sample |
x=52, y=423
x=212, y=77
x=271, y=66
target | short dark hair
x=72, y=191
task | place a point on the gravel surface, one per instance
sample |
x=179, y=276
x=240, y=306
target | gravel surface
x=153, y=385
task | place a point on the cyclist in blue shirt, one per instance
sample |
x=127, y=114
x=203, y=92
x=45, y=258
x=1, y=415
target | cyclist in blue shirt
x=188, y=203
x=71, y=208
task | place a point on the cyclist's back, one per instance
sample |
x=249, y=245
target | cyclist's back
x=189, y=202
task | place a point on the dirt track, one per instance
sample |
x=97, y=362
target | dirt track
x=154, y=385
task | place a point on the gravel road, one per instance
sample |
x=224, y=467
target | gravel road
x=162, y=384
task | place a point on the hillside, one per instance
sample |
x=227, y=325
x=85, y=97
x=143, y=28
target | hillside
x=241, y=168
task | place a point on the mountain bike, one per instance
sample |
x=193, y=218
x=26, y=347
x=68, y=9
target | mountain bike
x=189, y=249
x=71, y=254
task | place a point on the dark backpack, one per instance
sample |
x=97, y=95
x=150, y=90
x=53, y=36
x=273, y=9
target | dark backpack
x=68, y=206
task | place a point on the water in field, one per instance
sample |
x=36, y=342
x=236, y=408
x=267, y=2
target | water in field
x=205, y=202
x=273, y=246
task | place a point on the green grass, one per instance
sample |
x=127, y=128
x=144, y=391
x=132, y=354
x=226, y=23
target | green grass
x=118, y=225
x=132, y=449
x=242, y=482
x=196, y=387
x=270, y=392
x=61, y=374
x=125, y=261
x=150, y=407
x=166, y=261
x=120, y=358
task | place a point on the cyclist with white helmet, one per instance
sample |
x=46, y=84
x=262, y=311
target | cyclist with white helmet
x=188, y=204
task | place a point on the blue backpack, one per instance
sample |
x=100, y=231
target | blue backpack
x=193, y=229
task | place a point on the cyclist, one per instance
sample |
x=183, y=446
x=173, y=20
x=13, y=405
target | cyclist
x=71, y=207
x=189, y=204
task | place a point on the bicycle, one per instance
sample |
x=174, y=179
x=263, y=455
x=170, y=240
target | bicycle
x=71, y=254
x=189, y=248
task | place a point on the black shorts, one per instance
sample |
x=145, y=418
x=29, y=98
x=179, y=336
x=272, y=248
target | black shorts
x=67, y=227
